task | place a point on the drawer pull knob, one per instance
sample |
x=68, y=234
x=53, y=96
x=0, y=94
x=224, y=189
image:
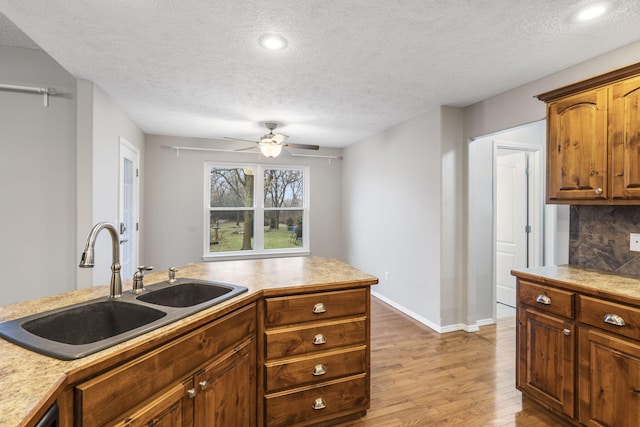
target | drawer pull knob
x=319, y=339
x=203, y=384
x=566, y=331
x=192, y=393
x=543, y=299
x=319, y=403
x=613, y=319
x=319, y=370
x=319, y=308
x=598, y=191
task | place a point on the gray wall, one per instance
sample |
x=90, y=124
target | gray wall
x=174, y=206
x=37, y=178
x=391, y=199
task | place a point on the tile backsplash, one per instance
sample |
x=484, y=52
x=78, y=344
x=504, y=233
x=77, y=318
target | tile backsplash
x=599, y=238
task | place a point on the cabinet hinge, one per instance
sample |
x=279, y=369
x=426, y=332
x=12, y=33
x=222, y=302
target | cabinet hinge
x=527, y=229
x=137, y=173
x=137, y=226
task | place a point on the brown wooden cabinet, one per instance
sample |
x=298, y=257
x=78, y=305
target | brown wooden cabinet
x=577, y=147
x=204, y=378
x=578, y=354
x=593, y=140
x=625, y=138
x=227, y=390
x=315, y=365
x=609, y=363
x=546, y=346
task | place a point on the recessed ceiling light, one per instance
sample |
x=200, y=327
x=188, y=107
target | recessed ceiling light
x=592, y=12
x=273, y=42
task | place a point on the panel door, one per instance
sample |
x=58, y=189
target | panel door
x=577, y=158
x=171, y=408
x=511, y=222
x=625, y=138
x=609, y=380
x=226, y=390
x=546, y=359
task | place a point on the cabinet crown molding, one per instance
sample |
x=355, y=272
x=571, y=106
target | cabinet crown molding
x=590, y=83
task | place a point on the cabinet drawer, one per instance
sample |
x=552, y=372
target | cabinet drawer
x=317, y=306
x=291, y=341
x=546, y=298
x=114, y=392
x=320, y=367
x=619, y=318
x=311, y=405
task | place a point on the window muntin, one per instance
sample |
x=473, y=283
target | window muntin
x=238, y=204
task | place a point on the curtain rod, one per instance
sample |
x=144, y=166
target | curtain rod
x=173, y=147
x=45, y=91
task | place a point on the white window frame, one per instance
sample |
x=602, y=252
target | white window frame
x=259, y=209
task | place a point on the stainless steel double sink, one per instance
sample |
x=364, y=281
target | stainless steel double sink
x=78, y=330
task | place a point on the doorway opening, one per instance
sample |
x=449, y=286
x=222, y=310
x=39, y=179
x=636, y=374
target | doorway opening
x=517, y=146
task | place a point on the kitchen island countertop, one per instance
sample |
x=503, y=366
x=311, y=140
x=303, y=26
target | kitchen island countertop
x=30, y=381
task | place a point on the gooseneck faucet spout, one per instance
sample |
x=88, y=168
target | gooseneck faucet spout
x=87, y=260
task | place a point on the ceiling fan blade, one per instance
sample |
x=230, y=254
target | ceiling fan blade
x=279, y=138
x=304, y=146
x=246, y=148
x=239, y=139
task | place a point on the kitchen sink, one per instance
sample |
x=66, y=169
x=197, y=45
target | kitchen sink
x=81, y=329
x=186, y=294
x=92, y=322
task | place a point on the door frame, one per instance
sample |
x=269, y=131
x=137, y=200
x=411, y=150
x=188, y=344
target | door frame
x=536, y=206
x=126, y=148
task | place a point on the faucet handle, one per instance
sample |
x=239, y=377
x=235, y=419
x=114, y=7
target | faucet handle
x=172, y=275
x=138, y=279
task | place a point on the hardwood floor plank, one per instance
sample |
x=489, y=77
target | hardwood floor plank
x=422, y=378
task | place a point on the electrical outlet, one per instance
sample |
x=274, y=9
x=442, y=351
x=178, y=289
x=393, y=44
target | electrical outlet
x=634, y=242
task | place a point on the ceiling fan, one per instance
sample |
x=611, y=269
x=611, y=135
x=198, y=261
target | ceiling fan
x=271, y=144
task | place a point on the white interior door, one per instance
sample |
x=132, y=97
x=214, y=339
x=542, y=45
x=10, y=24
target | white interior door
x=511, y=221
x=128, y=208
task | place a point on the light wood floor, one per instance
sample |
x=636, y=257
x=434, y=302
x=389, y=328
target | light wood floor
x=422, y=378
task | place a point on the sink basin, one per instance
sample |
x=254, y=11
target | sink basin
x=78, y=330
x=185, y=294
x=92, y=322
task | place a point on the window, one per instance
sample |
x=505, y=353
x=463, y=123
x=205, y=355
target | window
x=248, y=217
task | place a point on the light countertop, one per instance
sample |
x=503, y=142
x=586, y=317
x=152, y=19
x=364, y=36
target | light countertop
x=593, y=282
x=30, y=380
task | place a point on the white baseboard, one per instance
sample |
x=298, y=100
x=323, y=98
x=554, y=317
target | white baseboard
x=428, y=323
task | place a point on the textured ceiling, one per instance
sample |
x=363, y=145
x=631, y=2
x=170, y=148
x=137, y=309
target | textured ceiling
x=352, y=67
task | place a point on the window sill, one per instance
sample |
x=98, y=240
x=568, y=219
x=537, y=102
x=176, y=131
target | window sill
x=236, y=256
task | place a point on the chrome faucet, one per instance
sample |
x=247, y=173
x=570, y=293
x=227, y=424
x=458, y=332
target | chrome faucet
x=172, y=275
x=87, y=260
x=138, y=279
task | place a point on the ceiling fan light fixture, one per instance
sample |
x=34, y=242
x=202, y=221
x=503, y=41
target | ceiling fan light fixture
x=273, y=41
x=270, y=149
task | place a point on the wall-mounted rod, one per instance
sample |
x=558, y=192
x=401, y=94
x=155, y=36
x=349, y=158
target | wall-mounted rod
x=45, y=91
x=173, y=147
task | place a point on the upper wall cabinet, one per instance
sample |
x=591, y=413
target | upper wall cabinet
x=593, y=140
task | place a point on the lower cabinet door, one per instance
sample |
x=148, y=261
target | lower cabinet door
x=609, y=380
x=546, y=353
x=225, y=391
x=170, y=408
x=317, y=403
